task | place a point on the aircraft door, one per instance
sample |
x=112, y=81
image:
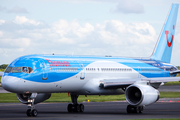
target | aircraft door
x=82, y=76
x=44, y=69
x=139, y=72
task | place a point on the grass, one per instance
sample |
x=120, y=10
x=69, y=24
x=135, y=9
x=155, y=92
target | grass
x=63, y=97
x=172, y=83
x=169, y=94
x=2, y=70
x=8, y=98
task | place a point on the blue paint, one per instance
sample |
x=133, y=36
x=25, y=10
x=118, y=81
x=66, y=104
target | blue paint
x=163, y=50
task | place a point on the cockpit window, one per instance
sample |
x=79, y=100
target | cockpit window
x=173, y=68
x=19, y=70
x=16, y=70
x=8, y=69
x=30, y=69
x=25, y=69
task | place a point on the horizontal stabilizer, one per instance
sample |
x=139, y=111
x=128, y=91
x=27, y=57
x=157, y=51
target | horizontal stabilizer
x=174, y=72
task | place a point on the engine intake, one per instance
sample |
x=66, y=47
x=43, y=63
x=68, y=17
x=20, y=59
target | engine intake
x=23, y=98
x=139, y=95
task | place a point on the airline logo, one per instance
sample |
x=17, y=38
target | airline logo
x=169, y=43
x=58, y=63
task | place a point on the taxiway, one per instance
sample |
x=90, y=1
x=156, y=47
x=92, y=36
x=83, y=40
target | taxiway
x=93, y=110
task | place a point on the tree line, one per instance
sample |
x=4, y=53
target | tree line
x=3, y=66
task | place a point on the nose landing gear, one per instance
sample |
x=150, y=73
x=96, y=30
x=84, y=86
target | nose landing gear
x=31, y=111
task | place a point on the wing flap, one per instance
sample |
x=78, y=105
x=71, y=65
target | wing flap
x=116, y=83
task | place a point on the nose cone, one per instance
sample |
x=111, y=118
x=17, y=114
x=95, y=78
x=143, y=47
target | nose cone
x=10, y=83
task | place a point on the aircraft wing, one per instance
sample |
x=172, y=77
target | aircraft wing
x=122, y=83
x=1, y=73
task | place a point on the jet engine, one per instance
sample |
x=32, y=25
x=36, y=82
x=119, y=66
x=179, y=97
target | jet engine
x=23, y=98
x=140, y=95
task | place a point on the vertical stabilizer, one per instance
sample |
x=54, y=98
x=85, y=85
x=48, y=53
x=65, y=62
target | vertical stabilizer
x=164, y=45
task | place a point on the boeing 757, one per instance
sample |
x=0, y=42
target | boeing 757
x=34, y=77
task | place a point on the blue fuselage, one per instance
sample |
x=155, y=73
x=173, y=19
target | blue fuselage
x=65, y=71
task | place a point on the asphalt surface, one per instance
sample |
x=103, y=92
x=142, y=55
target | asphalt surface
x=164, y=108
x=2, y=90
x=171, y=88
x=93, y=110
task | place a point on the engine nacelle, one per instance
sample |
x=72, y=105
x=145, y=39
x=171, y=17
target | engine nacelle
x=140, y=94
x=23, y=98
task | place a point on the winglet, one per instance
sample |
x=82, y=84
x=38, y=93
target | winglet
x=163, y=48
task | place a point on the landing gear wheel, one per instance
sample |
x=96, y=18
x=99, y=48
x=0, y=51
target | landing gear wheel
x=140, y=109
x=131, y=109
x=34, y=113
x=81, y=108
x=134, y=109
x=70, y=108
x=77, y=108
x=28, y=113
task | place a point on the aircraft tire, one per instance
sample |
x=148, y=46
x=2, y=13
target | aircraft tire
x=81, y=108
x=34, y=113
x=77, y=108
x=28, y=113
x=131, y=109
x=70, y=108
x=140, y=109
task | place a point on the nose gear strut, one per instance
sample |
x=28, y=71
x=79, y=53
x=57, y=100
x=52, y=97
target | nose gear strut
x=31, y=111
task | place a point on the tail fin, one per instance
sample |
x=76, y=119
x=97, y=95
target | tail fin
x=163, y=48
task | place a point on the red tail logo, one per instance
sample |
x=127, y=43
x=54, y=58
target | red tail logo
x=169, y=43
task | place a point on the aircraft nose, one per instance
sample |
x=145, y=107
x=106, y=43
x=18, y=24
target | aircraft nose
x=9, y=83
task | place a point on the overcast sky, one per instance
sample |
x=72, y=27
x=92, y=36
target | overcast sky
x=83, y=27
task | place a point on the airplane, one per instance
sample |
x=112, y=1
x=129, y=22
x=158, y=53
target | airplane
x=1, y=73
x=34, y=77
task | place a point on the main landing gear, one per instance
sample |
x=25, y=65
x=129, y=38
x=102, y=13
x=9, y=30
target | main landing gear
x=75, y=107
x=31, y=111
x=134, y=109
